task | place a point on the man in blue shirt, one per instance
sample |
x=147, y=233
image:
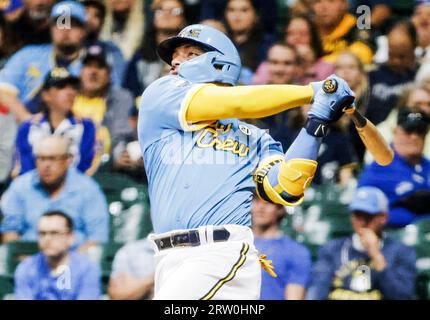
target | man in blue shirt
x=54, y=185
x=406, y=181
x=56, y=273
x=368, y=265
x=291, y=260
x=22, y=77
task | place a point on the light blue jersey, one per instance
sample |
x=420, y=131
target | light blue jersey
x=26, y=70
x=198, y=174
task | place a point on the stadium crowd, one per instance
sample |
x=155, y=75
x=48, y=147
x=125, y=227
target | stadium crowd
x=72, y=179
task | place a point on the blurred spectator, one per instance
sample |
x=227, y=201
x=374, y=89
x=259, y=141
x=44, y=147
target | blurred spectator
x=57, y=273
x=58, y=95
x=301, y=33
x=54, y=185
x=368, y=265
x=124, y=25
x=422, y=78
x=280, y=66
x=132, y=276
x=244, y=28
x=11, y=10
x=350, y=68
x=8, y=130
x=145, y=66
x=8, y=44
x=338, y=31
x=300, y=7
x=389, y=80
x=217, y=24
x=415, y=98
x=23, y=75
x=421, y=21
x=405, y=181
x=292, y=261
x=108, y=106
x=214, y=9
x=96, y=14
x=31, y=26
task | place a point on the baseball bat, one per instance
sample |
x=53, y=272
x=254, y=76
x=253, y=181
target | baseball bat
x=372, y=139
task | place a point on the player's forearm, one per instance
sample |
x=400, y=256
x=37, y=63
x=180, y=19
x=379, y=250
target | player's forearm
x=283, y=180
x=212, y=102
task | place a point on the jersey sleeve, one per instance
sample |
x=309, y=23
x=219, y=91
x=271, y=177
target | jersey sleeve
x=268, y=148
x=163, y=106
x=12, y=74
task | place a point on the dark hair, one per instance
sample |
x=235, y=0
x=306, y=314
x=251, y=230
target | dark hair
x=57, y=213
x=99, y=5
x=315, y=44
x=408, y=28
x=288, y=46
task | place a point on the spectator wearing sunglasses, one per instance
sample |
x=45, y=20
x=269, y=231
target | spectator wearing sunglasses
x=405, y=181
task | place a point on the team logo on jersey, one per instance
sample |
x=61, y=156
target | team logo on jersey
x=330, y=86
x=245, y=129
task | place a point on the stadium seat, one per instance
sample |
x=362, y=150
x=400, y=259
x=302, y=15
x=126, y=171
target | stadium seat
x=16, y=252
x=128, y=207
x=6, y=286
x=108, y=254
x=11, y=254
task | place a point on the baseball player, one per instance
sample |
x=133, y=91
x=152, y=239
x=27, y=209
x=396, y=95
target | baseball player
x=203, y=164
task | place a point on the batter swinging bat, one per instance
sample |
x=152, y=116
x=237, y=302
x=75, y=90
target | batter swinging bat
x=367, y=131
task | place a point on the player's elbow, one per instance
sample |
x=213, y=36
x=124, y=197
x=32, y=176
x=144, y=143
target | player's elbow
x=292, y=179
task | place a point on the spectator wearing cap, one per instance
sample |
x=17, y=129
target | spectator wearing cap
x=108, y=106
x=96, y=14
x=405, y=181
x=367, y=265
x=389, y=80
x=58, y=96
x=29, y=21
x=57, y=272
x=414, y=98
x=23, y=75
x=54, y=185
x=291, y=260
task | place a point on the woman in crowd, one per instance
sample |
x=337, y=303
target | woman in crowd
x=244, y=28
x=349, y=67
x=124, y=25
x=146, y=66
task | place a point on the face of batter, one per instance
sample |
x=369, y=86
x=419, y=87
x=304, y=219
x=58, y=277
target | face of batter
x=184, y=53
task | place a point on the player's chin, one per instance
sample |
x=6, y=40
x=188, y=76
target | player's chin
x=174, y=72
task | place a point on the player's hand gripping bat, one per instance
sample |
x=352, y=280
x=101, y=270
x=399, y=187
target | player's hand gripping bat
x=372, y=139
